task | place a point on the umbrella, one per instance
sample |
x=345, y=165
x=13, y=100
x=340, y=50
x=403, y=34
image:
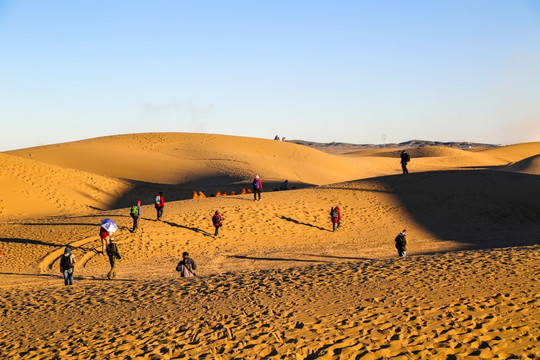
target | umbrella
x=109, y=225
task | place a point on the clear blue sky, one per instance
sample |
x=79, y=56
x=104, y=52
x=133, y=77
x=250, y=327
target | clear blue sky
x=349, y=71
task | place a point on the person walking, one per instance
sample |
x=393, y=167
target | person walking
x=405, y=158
x=159, y=203
x=401, y=243
x=335, y=216
x=257, y=187
x=67, y=263
x=104, y=236
x=114, y=255
x=136, y=215
x=217, y=222
x=186, y=266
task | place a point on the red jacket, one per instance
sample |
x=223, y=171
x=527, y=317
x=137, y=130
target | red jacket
x=103, y=233
x=338, y=214
x=219, y=219
x=257, y=183
x=161, y=201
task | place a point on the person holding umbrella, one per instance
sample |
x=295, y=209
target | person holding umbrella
x=108, y=227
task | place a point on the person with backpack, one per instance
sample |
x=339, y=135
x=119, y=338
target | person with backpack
x=114, y=255
x=217, y=222
x=405, y=158
x=257, y=187
x=135, y=213
x=401, y=243
x=67, y=263
x=186, y=266
x=335, y=216
x=159, y=203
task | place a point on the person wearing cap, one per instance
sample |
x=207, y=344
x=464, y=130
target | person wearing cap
x=67, y=263
x=186, y=266
x=136, y=214
x=257, y=187
x=401, y=243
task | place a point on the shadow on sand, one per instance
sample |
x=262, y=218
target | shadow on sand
x=302, y=223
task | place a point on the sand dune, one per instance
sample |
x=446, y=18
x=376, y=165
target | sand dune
x=467, y=289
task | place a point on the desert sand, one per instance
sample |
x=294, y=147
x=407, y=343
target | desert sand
x=277, y=283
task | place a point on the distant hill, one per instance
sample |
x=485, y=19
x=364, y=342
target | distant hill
x=340, y=147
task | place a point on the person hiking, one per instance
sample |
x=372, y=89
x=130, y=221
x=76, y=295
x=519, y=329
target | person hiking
x=401, y=243
x=114, y=255
x=186, y=266
x=67, y=263
x=135, y=213
x=335, y=216
x=405, y=158
x=159, y=203
x=104, y=236
x=217, y=222
x=257, y=187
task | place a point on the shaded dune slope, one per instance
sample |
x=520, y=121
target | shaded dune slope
x=529, y=165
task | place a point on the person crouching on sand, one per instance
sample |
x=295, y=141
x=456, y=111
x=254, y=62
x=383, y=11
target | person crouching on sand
x=186, y=266
x=401, y=243
x=114, y=255
x=335, y=216
x=217, y=222
x=67, y=263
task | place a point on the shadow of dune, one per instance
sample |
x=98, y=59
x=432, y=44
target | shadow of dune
x=274, y=259
x=482, y=208
x=303, y=223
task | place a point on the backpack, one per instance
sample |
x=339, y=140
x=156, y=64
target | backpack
x=66, y=262
x=400, y=240
x=334, y=214
x=110, y=250
x=134, y=210
x=255, y=184
x=157, y=200
x=216, y=220
x=406, y=157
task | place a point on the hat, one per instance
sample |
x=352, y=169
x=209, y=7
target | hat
x=138, y=202
x=256, y=176
x=68, y=250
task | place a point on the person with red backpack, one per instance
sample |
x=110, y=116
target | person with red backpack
x=335, y=216
x=257, y=187
x=159, y=203
x=217, y=222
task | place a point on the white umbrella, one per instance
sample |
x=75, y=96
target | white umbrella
x=109, y=225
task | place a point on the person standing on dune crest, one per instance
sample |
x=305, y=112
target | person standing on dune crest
x=257, y=187
x=401, y=243
x=405, y=158
x=159, y=203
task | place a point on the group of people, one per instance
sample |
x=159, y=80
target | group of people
x=187, y=266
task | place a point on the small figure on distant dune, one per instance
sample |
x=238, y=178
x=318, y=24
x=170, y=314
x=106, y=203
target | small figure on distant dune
x=405, y=158
x=257, y=187
x=401, y=243
x=136, y=215
x=67, y=263
x=276, y=138
x=335, y=216
x=217, y=222
x=285, y=185
x=114, y=254
x=159, y=203
x=186, y=266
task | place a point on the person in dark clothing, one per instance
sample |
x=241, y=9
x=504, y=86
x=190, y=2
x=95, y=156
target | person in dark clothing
x=186, y=266
x=112, y=252
x=285, y=185
x=405, y=158
x=217, y=222
x=136, y=215
x=401, y=243
x=335, y=216
x=67, y=263
x=257, y=187
x=159, y=203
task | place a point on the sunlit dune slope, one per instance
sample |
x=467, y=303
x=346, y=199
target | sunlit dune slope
x=176, y=158
x=513, y=153
x=31, y=188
